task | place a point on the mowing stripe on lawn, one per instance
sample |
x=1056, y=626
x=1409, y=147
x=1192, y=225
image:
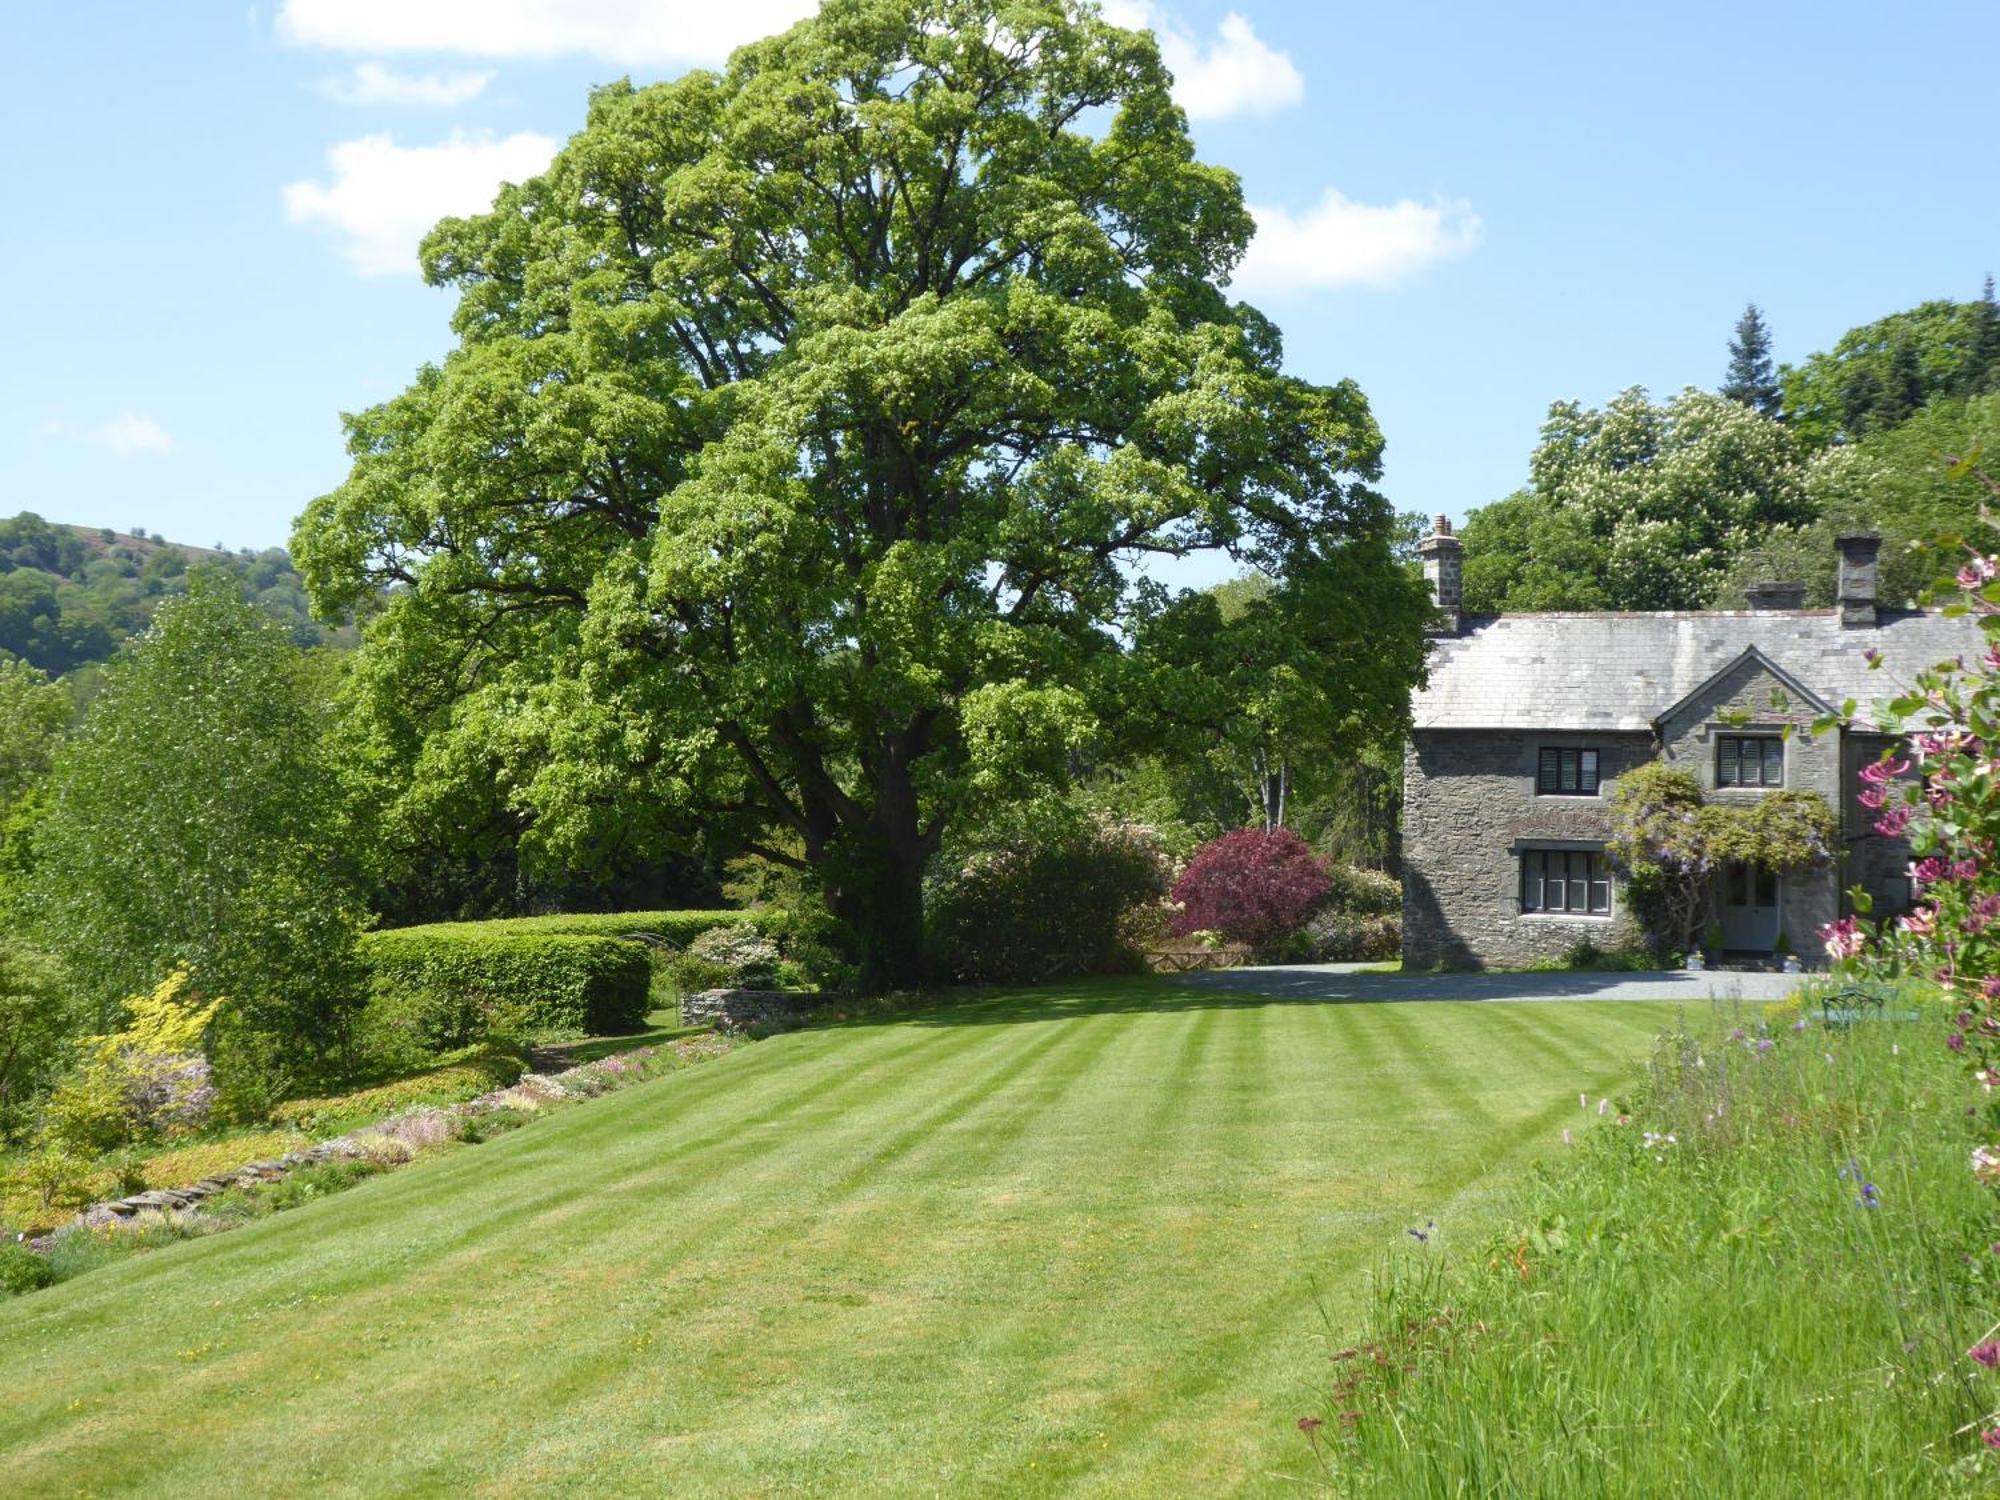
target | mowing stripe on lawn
x=1045, y=1243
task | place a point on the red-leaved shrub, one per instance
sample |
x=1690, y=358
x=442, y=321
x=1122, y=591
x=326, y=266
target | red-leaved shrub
x=1252, y=887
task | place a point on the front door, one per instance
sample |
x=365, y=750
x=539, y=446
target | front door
x=1749, y=909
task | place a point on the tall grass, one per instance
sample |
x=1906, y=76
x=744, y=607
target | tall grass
x=1758, y=1275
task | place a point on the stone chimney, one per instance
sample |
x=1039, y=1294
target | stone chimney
x=1856, y=592
x=1444, y=567
x=1776, y=595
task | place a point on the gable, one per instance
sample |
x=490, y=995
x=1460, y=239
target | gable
x=1752, y=684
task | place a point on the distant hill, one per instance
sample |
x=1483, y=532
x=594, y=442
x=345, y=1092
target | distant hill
x=69, y=595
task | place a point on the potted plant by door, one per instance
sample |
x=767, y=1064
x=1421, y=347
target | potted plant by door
x=1788, y=959
x=1711, y=945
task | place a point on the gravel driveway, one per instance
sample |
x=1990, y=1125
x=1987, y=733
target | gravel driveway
x=1342, y=982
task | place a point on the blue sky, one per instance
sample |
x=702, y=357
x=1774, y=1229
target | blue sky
x=1471, y=209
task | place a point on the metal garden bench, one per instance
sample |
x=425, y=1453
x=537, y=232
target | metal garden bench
x=1857, y=1002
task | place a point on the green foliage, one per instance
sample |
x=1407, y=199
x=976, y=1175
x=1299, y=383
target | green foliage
x=1057, y=891
x=458, y=1076
x=1635, y=506
x=789, y=506
x=21, y=1270
x=1230, y=688
x=33, y=714
x=69, y=595
x=1361, y=921
x=1881, y=374
x=1780, y=831
x=677, y=927
x=1354, y=889
x=1339, y=935
x=1658, y=840
x=1905, y=482
x=191, y=822
x=1751, y=380
x=56, y=1177
x=1670, y=843
x=35, y=1021
x=1771, y=1277
x=438, y=988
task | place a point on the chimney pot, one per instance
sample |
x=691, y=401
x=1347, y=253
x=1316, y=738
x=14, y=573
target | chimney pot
x=1776, y=594
x=1858, y=554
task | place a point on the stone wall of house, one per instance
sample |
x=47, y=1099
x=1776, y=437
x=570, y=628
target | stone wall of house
x=1470, y=810
x=1744, y=701
x=732, y=1010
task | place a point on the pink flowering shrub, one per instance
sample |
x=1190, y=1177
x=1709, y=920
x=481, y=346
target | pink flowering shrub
x=1251, y=886
x=1942, y=792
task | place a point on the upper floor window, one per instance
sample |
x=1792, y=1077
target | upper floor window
x=1749, y=760
x=1567, y=773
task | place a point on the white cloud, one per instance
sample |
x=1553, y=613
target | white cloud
x=631, y=33
x=1343, y=243
x=384, y=197
x=126, y=434
x=1235, y=74
x=371, y=84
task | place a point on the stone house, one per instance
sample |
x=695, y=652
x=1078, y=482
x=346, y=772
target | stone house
x=1528, y=720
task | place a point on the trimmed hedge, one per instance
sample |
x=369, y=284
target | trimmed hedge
x=678, y=927
x=444, y=986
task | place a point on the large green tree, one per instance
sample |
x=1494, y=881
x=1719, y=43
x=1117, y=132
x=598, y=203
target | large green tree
x=803, y=423
x=191, y=820
x=33, y=714
x=1882, y=373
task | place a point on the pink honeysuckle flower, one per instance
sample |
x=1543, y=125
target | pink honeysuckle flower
x=1872, y=797
x=1843, y=939
x=1919, y=922
x=1895, y=820
x=1881, y=771
x=1928, y=871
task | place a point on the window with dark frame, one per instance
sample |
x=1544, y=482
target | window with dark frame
x=1568, y=882
x=1567, y=772
x=1749, y=760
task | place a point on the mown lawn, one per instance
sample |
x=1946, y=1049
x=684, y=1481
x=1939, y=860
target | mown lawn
x=1065, y=1241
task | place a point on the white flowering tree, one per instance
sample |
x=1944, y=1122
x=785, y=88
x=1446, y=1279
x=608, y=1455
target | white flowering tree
x=1636, y=505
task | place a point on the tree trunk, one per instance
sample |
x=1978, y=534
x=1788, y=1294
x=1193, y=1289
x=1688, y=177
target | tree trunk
x=875, y=876
x=876, y=891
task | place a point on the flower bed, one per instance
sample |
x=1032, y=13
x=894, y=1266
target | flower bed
x=228, y=1198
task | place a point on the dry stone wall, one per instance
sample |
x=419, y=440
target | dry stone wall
x=732, y=1010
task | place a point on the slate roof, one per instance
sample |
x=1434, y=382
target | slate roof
x=1624, y=671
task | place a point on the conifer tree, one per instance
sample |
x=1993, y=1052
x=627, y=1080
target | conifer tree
x=1752, y=379
x=1983, y=369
